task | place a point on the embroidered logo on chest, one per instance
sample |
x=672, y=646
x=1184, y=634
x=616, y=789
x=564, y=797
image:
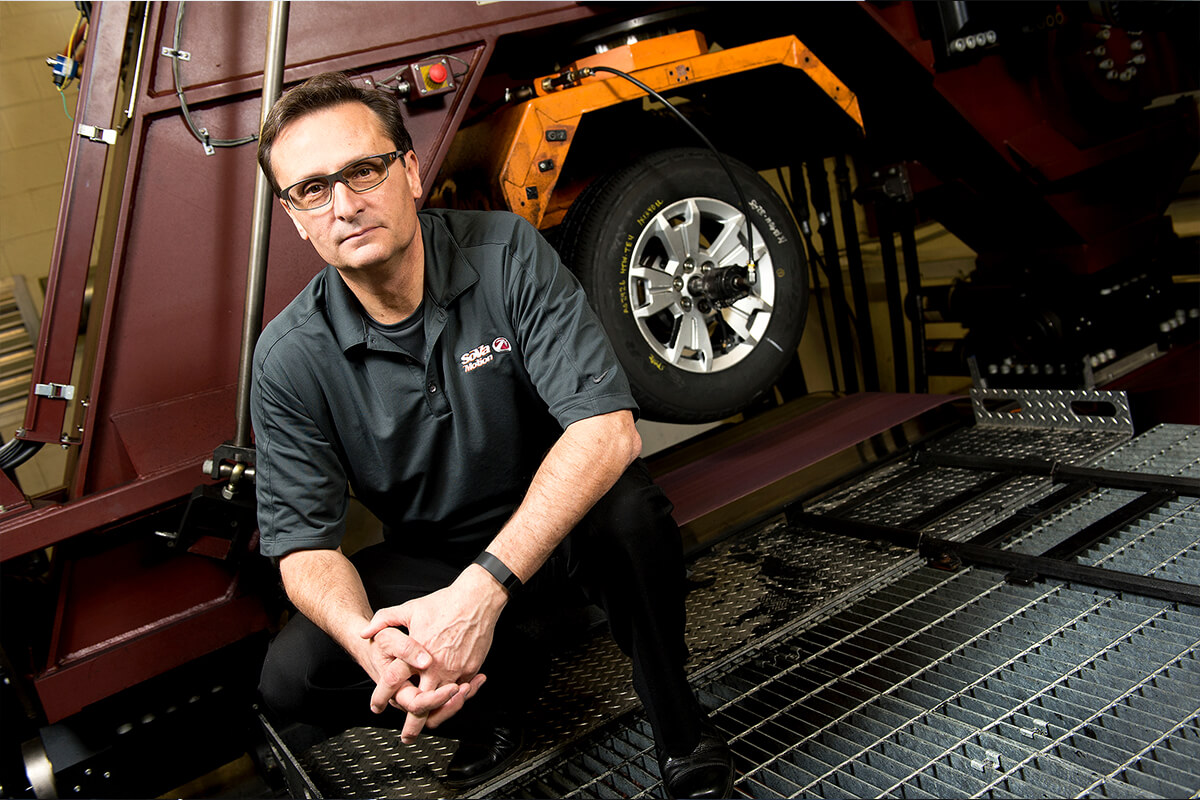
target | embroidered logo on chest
x=484, y=354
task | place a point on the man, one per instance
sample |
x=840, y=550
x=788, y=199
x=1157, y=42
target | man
x=447, y=368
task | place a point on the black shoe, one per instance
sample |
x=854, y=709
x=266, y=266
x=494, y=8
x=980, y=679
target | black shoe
x=478, y=760
x=706, y=772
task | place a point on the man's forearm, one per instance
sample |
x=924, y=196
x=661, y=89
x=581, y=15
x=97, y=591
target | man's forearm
x=327, y=589
x=581, y=467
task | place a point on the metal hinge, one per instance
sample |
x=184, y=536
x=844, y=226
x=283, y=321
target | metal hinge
x=96, y=134
x=55, y=391
x=182, y=55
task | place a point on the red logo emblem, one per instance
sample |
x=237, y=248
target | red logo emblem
x=501, y=345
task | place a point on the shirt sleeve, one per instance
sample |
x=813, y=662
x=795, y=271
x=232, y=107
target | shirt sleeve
x=300, y=482
x=566, y=351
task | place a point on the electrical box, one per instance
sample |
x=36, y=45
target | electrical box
x=432, y=76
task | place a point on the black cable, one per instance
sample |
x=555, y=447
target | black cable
x=16, y=452
x=737, y=187
x=202, y=138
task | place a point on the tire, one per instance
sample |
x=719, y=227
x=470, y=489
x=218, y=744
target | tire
x=629, y=238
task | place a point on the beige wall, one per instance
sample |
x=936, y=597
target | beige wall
x=35, y=136
x=34, y=133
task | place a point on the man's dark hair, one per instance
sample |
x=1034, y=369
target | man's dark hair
x=325, y=91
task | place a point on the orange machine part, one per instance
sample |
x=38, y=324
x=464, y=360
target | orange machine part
x=532, y=161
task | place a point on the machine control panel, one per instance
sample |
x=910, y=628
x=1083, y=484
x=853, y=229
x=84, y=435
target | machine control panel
x=432, y=76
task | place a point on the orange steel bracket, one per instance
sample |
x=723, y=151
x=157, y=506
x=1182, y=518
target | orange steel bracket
x=533, y=160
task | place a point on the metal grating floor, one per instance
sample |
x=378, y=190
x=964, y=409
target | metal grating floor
x=839, y=668
x=941, y=684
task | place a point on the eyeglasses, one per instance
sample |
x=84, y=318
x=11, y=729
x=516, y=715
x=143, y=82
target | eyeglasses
x=361, y=176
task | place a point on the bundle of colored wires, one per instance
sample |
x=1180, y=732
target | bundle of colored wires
x=77, y=38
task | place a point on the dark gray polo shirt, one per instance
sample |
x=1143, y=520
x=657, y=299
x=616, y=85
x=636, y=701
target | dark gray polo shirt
x=440, y=445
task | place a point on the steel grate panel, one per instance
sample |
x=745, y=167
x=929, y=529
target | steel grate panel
x=961, y=684
x=922, y=683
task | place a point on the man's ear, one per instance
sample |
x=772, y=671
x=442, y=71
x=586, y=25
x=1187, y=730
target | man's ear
x=295, y=221
x=413, y=170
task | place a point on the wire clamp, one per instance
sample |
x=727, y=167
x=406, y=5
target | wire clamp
x=208, y=148
x=55, y=391
x=97, y=134
x=171, y=52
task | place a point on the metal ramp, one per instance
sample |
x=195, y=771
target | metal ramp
x=848, y=667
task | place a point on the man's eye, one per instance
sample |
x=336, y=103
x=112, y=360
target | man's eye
x=363, y=171
x=312, y=188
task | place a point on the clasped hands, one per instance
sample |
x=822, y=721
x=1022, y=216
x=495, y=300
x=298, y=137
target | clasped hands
x=431, y=671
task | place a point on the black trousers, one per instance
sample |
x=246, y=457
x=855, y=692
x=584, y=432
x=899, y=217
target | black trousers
x=625, y=556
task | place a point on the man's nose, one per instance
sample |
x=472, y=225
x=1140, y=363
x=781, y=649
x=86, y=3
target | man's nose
x=346, y=202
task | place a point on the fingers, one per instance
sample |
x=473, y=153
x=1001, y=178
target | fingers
x=385, y=690
x=396, y=644
x=391, y=617
x=455, y=704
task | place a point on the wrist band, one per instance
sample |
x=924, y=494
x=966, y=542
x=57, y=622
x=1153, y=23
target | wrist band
x=499, y=571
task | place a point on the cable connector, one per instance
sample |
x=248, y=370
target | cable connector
x=565, y=79
x=63, y=68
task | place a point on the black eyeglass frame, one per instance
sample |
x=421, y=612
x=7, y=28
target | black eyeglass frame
x=340, y=177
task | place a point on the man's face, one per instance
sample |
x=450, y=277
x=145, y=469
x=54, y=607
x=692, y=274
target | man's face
x=367, y=231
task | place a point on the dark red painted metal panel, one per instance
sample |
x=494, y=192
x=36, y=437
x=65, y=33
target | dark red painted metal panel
x=170, y=315
x=734, y=472
x=71, y=256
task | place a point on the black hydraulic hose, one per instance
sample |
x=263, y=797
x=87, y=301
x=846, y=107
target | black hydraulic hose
x=203, y=138
x=737, y=187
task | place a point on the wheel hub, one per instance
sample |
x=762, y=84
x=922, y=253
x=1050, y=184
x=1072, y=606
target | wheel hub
x=689, y=288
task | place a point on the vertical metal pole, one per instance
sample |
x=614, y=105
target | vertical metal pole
x=799, y=200
x=858, y=279
x=891, y=283
x=818, y=187
x=260, y=232
x=915, y=303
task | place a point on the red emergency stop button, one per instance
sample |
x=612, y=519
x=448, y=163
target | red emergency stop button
x=437, y=73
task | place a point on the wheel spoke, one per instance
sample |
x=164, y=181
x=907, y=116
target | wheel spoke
x=659, y=288
x=682, y=240
x=727, y=247
x=760, y=247
x=692, y=334
x=739, y=321
x=741, y=315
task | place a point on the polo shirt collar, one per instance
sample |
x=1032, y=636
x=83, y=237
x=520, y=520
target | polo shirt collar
x=448, y=274
x=345, y=312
